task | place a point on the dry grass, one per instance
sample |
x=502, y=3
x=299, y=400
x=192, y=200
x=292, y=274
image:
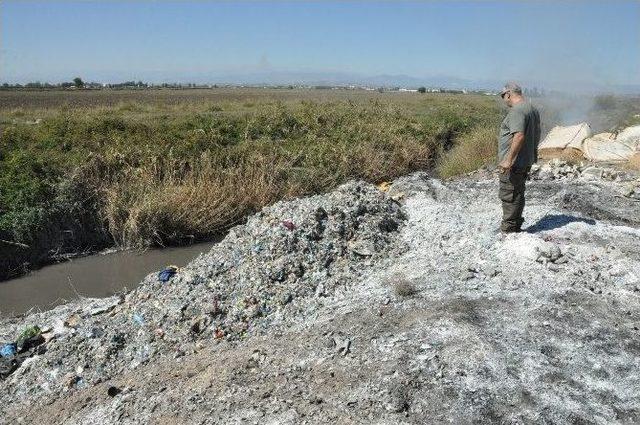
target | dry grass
x=163, y=167
x=163, y=174
x=202, y=204
x=151, y=209
x=402, y=287
x=471, y=152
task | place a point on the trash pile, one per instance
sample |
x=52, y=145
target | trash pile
x=577, y=140
x=13, y=354
x=276, y=267
x=558, y=169
x=284, y=322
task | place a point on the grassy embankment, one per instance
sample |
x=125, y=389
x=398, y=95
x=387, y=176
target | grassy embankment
x=163, y=168
x=90, y=169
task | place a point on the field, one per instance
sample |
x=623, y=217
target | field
x=85, y=170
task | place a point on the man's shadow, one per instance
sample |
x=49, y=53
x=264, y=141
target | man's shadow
x=554, y=221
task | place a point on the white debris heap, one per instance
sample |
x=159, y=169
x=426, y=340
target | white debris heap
x=578, y=140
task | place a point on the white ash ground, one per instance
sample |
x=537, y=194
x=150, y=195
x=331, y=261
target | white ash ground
x=537, y=327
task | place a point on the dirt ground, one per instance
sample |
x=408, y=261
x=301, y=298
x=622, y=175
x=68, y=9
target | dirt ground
x=463, y=326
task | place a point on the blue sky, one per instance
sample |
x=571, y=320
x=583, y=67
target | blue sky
x=174, y=40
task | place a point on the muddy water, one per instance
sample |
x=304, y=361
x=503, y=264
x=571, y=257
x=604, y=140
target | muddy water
x=99, y=275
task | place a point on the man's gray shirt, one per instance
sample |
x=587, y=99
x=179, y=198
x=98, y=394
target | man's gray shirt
x=523, y=117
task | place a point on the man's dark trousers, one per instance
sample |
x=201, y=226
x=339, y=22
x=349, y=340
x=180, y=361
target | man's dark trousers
x=512, y=185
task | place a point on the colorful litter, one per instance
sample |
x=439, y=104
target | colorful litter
x=288, y=225
x=384, y=186
x=13, y=354
x=8, y=350
x=166, y=274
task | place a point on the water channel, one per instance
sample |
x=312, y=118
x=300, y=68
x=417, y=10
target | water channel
x=98, y=275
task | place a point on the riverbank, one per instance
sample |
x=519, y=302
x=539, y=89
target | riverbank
x=82, y=171
x=366, y=306
x=154, y=172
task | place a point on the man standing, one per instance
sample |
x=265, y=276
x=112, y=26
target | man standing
x=517, y=151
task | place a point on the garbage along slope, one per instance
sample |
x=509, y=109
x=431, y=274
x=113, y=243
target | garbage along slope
x=440, y=320
x=250, y=282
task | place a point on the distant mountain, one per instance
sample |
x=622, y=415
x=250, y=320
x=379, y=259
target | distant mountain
x=332, y=78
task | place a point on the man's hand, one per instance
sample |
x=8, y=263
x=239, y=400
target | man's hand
x=504, y=166
x=515, y=145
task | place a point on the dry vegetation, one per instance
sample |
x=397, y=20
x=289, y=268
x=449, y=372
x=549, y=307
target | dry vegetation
x=402, y=287
x=85, y=170
x=471, y=152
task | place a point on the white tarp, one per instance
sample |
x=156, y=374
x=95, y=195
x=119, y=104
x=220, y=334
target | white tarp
x=564, y=138
x=612, y=147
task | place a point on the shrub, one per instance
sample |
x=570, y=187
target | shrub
x=402, y=286
x=472, y=151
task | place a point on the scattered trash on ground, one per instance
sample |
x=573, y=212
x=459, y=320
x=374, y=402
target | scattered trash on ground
x=8, y=350
x=288, y=224
x=257, y=277
x=384, y=186
x=279, y=325
x=166, y=274
x=13, y=354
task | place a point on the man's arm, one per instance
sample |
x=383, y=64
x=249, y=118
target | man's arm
x=514, y=148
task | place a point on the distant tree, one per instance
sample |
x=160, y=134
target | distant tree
x=78, y=82
x=422, y=90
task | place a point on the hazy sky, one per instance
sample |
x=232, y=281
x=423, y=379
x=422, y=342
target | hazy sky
x=101, y=40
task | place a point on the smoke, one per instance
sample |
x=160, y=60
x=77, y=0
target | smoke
x=581, y=85
x=603, y=112
x=580, y=48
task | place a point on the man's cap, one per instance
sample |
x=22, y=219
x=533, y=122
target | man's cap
x=512, y=87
